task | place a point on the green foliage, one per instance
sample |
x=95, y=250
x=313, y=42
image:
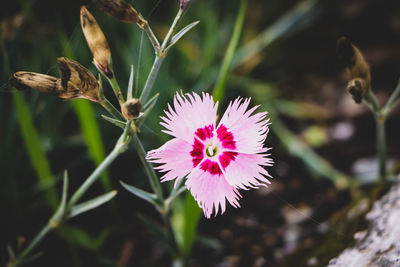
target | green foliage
x=35, y=149
x=92, y=135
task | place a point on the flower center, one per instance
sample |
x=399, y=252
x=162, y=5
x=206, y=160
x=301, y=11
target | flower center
x=211, y=151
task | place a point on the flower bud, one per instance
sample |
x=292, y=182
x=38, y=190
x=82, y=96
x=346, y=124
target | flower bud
x=183, y=3
x=97, y=42
x=353, y=60
x=131, y=108
x=119, y=9
x=45, y=84
x=73, y=72
x=358, y=88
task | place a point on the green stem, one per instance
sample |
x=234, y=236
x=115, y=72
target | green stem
x=172, y=29
x=31, y=245
x=151, y=79
x=381, y=146
x=119, y=148
x=154, y=181
x=59, y=216
x=153, y=39
x=393, y=101
x=163, y=208
x=117, y=90
x=161, y=53
x=371, y=102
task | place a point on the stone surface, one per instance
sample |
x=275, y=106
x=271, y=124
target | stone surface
x=379, y=245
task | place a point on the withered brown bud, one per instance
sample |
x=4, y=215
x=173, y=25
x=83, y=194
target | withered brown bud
x=97, y=42
x=353, y=60
x=44, y=83
x=131, y=108
x=119, y=9
x=73, y=72
x=358, y=88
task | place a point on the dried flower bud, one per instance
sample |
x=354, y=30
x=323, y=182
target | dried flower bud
x=119, y=9
x=73, y=72
x=131, y=108
x=353, y=60
x=44, y=83
x=358, y=88
x=97, y=42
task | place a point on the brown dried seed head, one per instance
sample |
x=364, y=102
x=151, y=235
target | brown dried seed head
x=73, y=72
x=120, y=10
x=353, y=60
x=358, y=88
x=131, y=108
x=97, y=42
x=44, y=83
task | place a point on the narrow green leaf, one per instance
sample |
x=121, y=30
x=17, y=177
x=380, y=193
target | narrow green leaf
x=181, y=33
x=130, y=84
x=91, y=204
x=59, y=214
x=148, y=108
x=218, y=93
x=151, y=102
x=116, y=122
x=65, y=189
x=293, y=20
x=316, y=164
x=192, y=216
x=91, y=133
x=149, y=197
x=34, y=147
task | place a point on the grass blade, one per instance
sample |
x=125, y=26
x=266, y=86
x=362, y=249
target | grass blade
x=34, y=147
x=218, y=93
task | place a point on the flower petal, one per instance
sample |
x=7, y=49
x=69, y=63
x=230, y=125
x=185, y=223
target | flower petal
x=249, y=131
x=210, y=191
x=246, y=171
x=190, y=113
x=174, y=157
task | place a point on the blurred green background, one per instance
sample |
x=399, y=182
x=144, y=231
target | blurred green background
x=291, y=70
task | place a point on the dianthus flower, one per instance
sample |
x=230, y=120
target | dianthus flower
x=217, y=160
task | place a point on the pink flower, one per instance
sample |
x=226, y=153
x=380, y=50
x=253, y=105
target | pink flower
x=217, y=160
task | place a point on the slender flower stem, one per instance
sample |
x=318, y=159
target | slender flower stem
x=381, y=146
x=154, y=181
x=38, y=238
x=161, y=53
x=380, y=115
x=393, y=101
x=372, y=103
x=153, y=39
x=172, y=29
x=151, y=79
x=119, y=148
x=117, y=90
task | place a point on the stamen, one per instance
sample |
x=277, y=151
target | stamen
x=211, y=151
